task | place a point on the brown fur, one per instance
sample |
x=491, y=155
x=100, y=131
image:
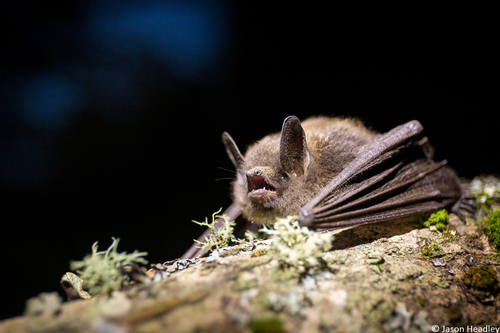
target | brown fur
x=332, y=143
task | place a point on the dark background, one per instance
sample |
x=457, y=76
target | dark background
x=111, y=114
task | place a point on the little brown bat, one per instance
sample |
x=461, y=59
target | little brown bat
x=335, y=173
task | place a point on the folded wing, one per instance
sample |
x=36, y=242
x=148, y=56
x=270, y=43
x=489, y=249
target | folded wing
x=394, y=177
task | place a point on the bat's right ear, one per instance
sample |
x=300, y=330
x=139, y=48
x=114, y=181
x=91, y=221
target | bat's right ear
x=232, y=150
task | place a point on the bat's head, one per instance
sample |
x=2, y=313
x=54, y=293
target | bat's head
x=272, y=177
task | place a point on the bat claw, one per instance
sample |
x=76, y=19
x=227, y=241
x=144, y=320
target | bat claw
x=465, y=204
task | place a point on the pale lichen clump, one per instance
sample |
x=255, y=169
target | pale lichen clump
x=72, y=285
x=102, y=271
x=46, y=306
x=220, y=236
x=485, y=189
x=296, y=246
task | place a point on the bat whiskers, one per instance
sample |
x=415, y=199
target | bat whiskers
x=232, y=171
x=224, y=178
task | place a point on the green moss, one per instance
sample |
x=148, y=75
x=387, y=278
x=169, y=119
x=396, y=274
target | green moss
x=495, y=255
x=422, y=219
x=491, y=227
x=441, y=216
x=102, y=271
x=430, y=249
x=483, y=277
x=437, y=219
x=440, y=227
x=271, y=325
x=427, y=251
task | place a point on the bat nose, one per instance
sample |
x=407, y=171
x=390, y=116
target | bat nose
x=253, y=173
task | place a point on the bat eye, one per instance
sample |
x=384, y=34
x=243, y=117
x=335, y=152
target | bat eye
x=259, y=183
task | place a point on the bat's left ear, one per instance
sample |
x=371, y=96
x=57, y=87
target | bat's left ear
x=294, y=155
x=232, y=150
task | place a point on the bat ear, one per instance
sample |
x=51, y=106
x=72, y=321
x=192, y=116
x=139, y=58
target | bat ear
x=294, y=155
x=232, y=150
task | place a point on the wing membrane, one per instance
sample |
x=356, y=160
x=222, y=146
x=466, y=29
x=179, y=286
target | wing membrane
x=400, y=181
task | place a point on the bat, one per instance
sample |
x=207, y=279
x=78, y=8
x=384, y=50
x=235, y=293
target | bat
x=335, y=173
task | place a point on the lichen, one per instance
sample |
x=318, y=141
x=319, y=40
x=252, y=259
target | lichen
x=72, y=285
x=434, y=220
x=291, y=302
x=402, y=318
x=46, y=306
x=220, y=236
x=381, y=286
x=159, y=272
x=43, y=313
x=298, y=247
x=102, y=271
x=486, y=190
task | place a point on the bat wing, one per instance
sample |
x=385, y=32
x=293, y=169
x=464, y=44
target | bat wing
x=394, y=177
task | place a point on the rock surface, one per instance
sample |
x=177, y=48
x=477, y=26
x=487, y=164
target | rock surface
x=389, y=277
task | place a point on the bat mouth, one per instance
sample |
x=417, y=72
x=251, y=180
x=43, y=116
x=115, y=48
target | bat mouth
x=260, y=191
x=259, y=183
